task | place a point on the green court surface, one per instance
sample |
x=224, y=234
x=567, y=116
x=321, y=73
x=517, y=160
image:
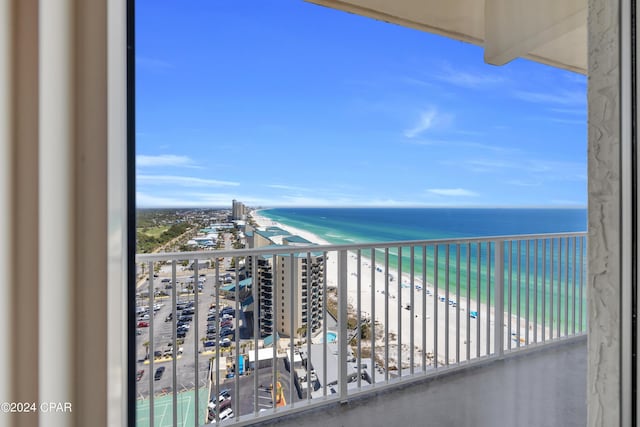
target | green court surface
x=163, y=413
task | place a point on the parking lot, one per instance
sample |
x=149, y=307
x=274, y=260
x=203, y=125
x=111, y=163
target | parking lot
x=163, y=332
x=246, y=396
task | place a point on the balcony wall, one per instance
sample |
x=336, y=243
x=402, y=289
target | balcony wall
x=538, y=387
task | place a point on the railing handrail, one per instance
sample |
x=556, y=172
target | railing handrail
x=288, y=249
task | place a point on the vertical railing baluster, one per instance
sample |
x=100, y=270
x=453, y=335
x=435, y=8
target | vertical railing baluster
x=342, y=323
x=488, y=288
x=411, y=309
x=446, y=304
x=236, y=335
x=151, y=348
x=468, y=295
x=293, y=287
x=573, y=290
x=196, y=398
x=551, y=286
x=217, y=297
x=518, y=298
x=324, y=325
x=399, y=306
x=509, y=294
x=478, y=290
x=582, y=241
x=274, y=329
x=386, y=314
x=256, y=329
x=535, y=291
x=457, y=303
x=527, y=296
x=436, y=273
x=372, y=321
x=359, y=316
x=566, y=288
x=310, y=325
x=559, y=325
x=424, y=308
x=544, y=289
x=499, y=299
x=174, y=332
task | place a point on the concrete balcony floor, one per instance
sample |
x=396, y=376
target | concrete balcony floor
x=542, y=387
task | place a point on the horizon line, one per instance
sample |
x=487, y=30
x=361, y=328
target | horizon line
x=377, y=207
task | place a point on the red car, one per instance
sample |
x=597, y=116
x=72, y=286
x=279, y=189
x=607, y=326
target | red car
x=143, y=324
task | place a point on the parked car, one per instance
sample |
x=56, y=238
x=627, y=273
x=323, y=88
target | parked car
x=159, y=373
x=209, y=343
x=211, y=335
x=143, y=324
x=169, y=317
x=226, y=323
x=181, y=334
x=224, y=415
x=139, y=374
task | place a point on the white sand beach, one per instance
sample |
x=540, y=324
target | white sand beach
x=392, y=305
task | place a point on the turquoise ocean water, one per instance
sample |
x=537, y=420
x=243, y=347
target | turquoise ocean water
x=367, y=225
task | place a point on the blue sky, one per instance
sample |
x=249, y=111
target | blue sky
x=285, y=103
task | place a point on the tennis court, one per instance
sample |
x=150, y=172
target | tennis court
x=163, y=413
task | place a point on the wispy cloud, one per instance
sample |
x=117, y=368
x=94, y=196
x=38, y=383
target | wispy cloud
x=569, y=121
x=570, y=111
x=429, y=119
x=455, y=143
x=417, y=82
x=523, y=183
x=452, y=192
x=287, y=187
x=484, y=165
x=183, y=181
x=165, y=160
x=564, y=97
x=469, y=80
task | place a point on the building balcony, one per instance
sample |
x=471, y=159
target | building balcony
x=462, y=318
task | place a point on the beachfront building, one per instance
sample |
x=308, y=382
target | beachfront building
x=238, y=210
x=262, y=238
x=299, y=295
x=299, y=279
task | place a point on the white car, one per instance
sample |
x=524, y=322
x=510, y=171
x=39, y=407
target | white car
x=224, y=415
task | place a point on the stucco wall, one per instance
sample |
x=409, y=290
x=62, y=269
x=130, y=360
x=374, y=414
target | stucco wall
x=605, y=273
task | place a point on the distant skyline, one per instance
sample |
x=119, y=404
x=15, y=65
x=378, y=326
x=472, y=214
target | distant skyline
x=285, y=103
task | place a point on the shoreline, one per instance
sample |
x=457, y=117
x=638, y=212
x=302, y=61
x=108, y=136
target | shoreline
x=393, y=306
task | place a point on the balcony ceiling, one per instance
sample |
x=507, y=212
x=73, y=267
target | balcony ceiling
x=552, y=32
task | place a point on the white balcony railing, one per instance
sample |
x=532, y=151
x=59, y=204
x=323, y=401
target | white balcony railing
x=383, y=314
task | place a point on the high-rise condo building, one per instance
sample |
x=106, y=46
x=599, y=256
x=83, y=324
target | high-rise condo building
x=290, y=289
